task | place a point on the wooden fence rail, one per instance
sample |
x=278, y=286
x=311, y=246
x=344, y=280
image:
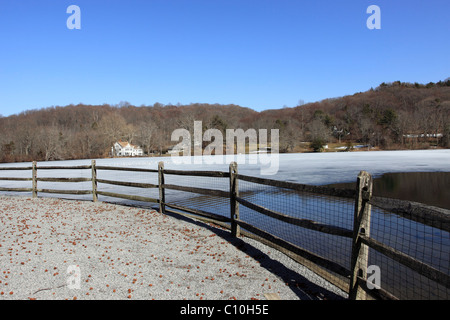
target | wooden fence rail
x=15, y=168
x=305, y=223
x=353, y=279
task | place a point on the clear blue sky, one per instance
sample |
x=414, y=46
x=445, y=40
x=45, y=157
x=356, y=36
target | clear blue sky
x=261, y=54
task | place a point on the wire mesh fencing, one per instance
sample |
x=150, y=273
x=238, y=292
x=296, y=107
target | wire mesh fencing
x=215, y=204
x=306, y=206
x=416, y=263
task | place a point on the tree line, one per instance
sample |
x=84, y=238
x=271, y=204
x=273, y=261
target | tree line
x=394, y=115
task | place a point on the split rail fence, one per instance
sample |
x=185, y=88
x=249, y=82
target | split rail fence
x=370, y=247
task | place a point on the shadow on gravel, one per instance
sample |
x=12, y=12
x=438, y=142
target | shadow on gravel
x=302, y=287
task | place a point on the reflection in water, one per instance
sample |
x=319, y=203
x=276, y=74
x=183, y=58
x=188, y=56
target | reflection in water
x=431, y=188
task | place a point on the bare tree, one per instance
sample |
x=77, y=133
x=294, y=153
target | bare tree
x=51, y=142
x=25, y=137
x=112, y=126
x=146, y=135
x=319, y=134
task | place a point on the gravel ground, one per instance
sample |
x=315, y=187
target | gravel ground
x=120, y=253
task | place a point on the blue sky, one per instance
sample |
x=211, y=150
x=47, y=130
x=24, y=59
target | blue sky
x=261, y=54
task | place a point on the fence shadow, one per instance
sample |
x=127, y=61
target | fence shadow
x=301, y=286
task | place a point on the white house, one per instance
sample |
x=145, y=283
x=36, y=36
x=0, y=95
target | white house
x=125, y=149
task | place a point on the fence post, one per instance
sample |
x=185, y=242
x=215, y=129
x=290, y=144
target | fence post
x=34, y=179
x=234, y=205
x=162, y=196
x=361, y=225
x=94, y=181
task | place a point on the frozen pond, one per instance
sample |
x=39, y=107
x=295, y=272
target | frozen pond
x=307, y=168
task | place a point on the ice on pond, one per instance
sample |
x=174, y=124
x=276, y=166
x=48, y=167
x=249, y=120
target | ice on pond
x=306, y=168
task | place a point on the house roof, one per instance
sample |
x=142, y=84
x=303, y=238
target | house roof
x=124, y=144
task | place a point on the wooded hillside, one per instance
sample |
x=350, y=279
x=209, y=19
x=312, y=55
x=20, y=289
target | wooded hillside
x=392, y=116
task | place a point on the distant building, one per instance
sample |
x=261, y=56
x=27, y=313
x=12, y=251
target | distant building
x=177, y=149
x=422, y=135
x=125, y=149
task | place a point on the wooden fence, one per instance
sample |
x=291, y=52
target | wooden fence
x=353, y=280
